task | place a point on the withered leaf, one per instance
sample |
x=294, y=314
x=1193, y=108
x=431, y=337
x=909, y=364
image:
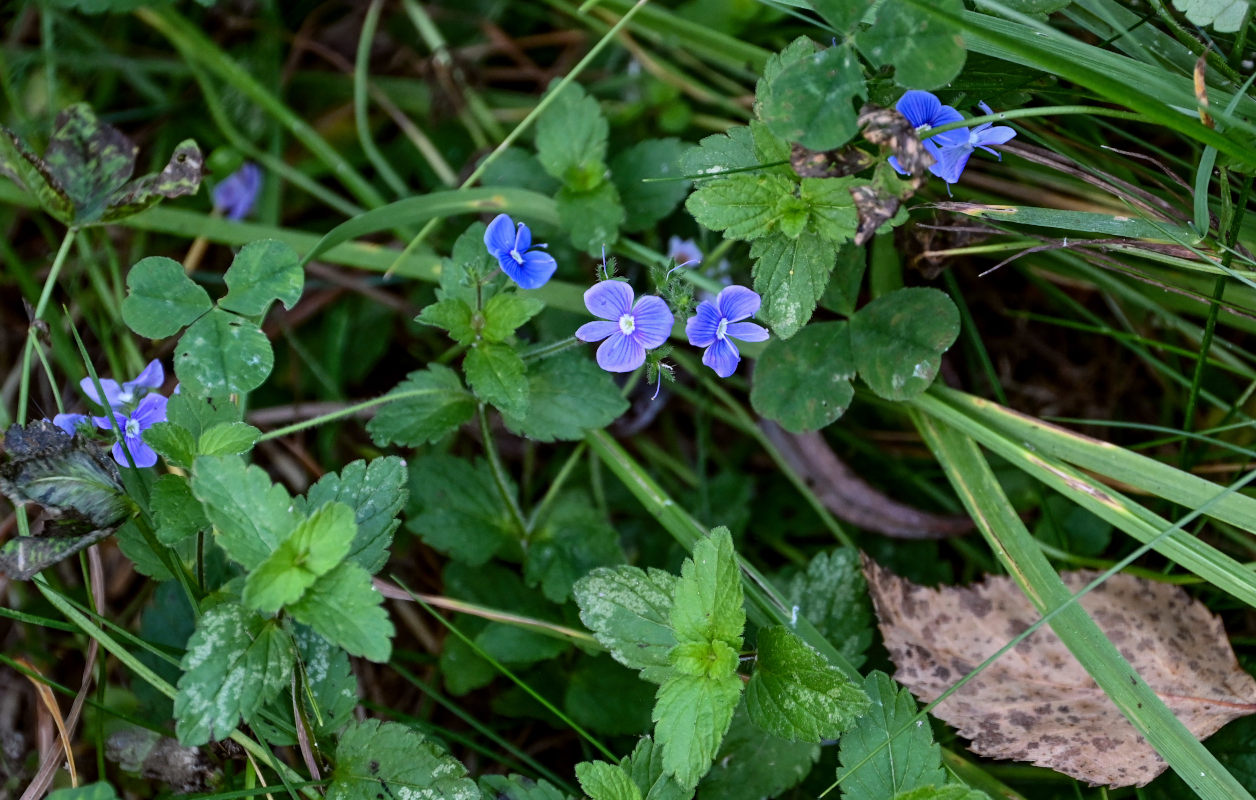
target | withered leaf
x=1035, y=703
x=885, y=127
x=828, y=163
x=875, y=207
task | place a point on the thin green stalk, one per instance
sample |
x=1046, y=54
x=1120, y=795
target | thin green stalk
x=551, y=492
x=481, y=116
x=361, y=75
x=41, y=305
x=341, y=413
x=500, y=478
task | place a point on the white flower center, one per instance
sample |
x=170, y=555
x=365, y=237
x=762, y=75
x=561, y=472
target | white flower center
x=721, y=332
x=126, y=395
x=515, y=255
x=627, y=324
x=132, y=427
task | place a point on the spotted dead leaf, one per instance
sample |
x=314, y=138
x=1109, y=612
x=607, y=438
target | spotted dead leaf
x=1035, y=703
x=828, y=163
x=887, y=128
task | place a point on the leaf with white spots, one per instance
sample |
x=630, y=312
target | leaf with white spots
x=1225, y=16
x=790, y=275
x=344, y=608
x=627, y=609
x=376, y=491
x=221, y=354
x=899, y=338
x=1036, y=702
x=251, y=513
x=796, y=693
x=387, y=759
x=236, y=660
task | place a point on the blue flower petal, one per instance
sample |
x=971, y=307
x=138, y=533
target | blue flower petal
x=534, y=272
x=151, y=377
x=722, y=357
x=919, y=107
x=897, y=168
x=143, y=455
x=596, y=331
x=523, y=238
x=608, y=299
x=69, y=422
x=951, y=163
x=737, y=302
x=150, y=411
x=747, y=332
x=702, y=326
x=1000, y=134
x=113, y=392
x=653, y=322
x=500, y=236
x=620, y=354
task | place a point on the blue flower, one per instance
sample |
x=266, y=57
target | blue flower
x=150, y=411
x=950, y=149
x=631, y=328
x=69, y=422
x=683, y=251
x=237, y=193
x=717, y=323
x=118, y=396
x=511, y=245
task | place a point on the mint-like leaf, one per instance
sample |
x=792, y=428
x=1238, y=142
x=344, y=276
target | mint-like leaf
x=463, y=514
x=744, y=206
x=645, y=204
x=874, y=770
x=573, y=539
x=427, y=405
x=176, y=511
x=251, y=513
x=796, y=693
x=227, y=439
x=497, y=375
x=571, y=139
x=376, y=491
x=707, y=604
x=452, y=315
x=602, y=781
x=504, y=313
x=833, y=595
x=313, y=548
x=754, y=764
x=344, y=608
x=569, y=395
x=691, y=715
x=790, y=275
x=627, y=609
x=374, y=758
x=645, y=766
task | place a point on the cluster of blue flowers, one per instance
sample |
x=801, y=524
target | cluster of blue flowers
x=950, y=149
x=134, y=407
x=628, y=326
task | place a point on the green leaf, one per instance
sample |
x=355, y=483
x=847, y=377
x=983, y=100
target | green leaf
x=30, y=172
x=591, y=217
x=235, y=661
x=647, y=203
x=463, y=514
x=172, y=442
x=504, y=313
x=832, y=594
x=721, y=152
x=161, y=298
x=951, y=791
x=497, y=375
x=88, y=159
x=376, y=758
x=602, y=781
x=571, y=139
x=91, y=791
x=495, y=586
x=263, y=271
x=843, y=15
x=804, y=382
x=790, y=275
x=221, y=354
x=176, y=512
x=842, y=293
x=572, y=540
x=569, y=395
x=691, y=716
x=811, y=101
x=926, y=52
x=831, y=207
x=645, y=766
x=227, y=439
x=714, y=659
x=796, y=693
x=874, y=770
x=607, y=698
x=181, y=176
x=198, y=414
x=628, y=611
x=315, y=546
x=251, y=514
x=518, y=787
x=427, y=405
x=376, y=491
x=1225, y=16
x=344, y=608
x=707, y=603
x=744, y=206
x=899, y=338
x=753, y=764
x=451, y=314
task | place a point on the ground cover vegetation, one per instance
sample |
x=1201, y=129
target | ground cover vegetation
x=627, y=400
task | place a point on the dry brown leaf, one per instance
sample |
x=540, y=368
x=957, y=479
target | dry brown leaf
x=1035, y=702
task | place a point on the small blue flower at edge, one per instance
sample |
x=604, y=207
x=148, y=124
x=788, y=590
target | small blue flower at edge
x=118, y=396
x=630, y=328
x=69, y=422
x=716, y=324
x=150, y=411
x=950, y=149
x=237, y=193
x=511, y=245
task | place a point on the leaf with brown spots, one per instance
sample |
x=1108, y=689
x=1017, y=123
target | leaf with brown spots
x=1035, y=702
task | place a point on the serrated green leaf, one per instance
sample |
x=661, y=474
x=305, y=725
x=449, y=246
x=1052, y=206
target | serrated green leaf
x=591, y=217
x=754, y=764
x=251, y=513
x=872, y=769
x=172, y=442
x=691, y=716
x=571, y=139
x=899, y=338
x=744, y=206
x=714, y=659
x=263, y=271
x=811, y=101
x=374, y=758
x=505, y=313
x=227, y=439
x=428, y=404
x=462, y=512
x=198, y=414
x=176, y=511
x=951, y=791
x=498, y=376
x=647, y=203
x=181, y=176
x=831, y=207
x=452, y=315
x=463, y=669
x=790, y=275
x=376, y=491
x=707, y=602
x=235, y=661
x=333, y=687
x=572, y=540
x=602, y=781
x=804, y=382
x=927, y=52
x=161, y=298
x=345, y=609
x=518, y=787
x=221, y=354
x=798, y=695
x=1225, y=16
x=313, y=548
x=569, y=395
x=721, y=152
x=628, y=611
x=645, y=766
x=832, y=594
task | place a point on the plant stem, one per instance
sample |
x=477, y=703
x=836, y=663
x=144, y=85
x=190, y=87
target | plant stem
x=41, y=305
x=499, y=472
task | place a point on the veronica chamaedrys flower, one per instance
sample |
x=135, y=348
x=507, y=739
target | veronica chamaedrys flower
x=69, y=422
x=716, y=323
x=150, y=411
x=630, y=329
x=683, y=251
x=118, y=395
x=952, y=158
x=950, y=149
x=236, y=195
x=511, y=245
